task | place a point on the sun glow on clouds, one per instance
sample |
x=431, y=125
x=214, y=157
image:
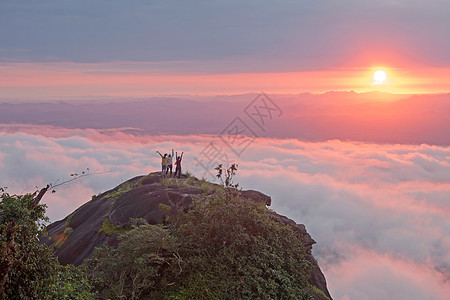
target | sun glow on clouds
x=379, y=213
x=119, y=79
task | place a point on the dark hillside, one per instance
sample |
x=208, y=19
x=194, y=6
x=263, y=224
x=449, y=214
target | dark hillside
x=138, y=200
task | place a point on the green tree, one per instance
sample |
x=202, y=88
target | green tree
x=141, y=266
x=234, y=250
x=28, y=270
x=70, y=283
x=25, y=266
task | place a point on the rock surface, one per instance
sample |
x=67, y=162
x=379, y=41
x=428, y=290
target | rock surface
x=137, y=200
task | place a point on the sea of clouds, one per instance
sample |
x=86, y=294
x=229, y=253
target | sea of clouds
x=380, y=213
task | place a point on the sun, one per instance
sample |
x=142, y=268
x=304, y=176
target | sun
x=379, y=76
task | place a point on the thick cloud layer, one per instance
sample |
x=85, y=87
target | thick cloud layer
x=380, y=213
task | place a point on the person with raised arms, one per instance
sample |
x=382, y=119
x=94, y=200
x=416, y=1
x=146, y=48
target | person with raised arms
x=169, y=164
x=178, y=164
x=163, y=163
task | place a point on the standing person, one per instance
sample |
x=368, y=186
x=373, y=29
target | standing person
x=178, y=164
x=163, y=162
x=169, y=164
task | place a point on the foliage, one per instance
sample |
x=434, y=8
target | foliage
x=32, y=271
x=144, y=262
x=30, y=265
x=62, y=238
x=234, y=250
x=226, y=176
x=318, y=291
x=71, y=283
x=204, y=185
x=190, y=181
x=122, y=188
x=109, y=228
x=168, y=181
x=217, y=250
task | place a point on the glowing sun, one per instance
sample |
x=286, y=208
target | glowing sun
x=379, y=76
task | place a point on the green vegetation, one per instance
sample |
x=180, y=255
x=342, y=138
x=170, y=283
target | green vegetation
x=204, y=185
x=69, y=218
x=224, y=247
x=28, y=269
x=62, y=238
x=189, y=174
x=217, y=250
x=234, y=250
x=94, y=197
x=141, y=266
x=109, y=228
x=165, y=181
x=71, y=283
x=319, y=292
x=190, y=181
x=122, y=188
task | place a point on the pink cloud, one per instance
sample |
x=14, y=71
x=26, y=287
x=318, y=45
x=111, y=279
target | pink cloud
x=371, y=275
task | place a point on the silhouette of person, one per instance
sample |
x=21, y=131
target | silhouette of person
x=163, y=162
x=169, y=164
x=178, y=165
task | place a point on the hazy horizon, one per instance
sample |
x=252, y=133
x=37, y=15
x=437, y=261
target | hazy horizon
x=366, y=117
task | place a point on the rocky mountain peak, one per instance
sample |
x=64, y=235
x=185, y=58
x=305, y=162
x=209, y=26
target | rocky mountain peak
x=138, y=200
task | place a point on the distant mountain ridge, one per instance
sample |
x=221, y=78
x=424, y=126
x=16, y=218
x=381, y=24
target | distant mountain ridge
x=100, y=220
x=368, y=117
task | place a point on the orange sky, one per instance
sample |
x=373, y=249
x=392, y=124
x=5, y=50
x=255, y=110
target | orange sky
x=71, y=80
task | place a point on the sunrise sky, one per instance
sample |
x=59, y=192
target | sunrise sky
x=367, y=172
x=64, y=49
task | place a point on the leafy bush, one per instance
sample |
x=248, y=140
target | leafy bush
x=29, y=266
x=234, y=250
x=144, y=262
x=217, y=250
x=70, y=283
x=32, y=272
x=109, y=228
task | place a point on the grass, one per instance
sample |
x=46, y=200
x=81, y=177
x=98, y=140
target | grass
x=69, y=217
x=94, y=197
x=204, y=185
x=318, y=291
x=62, y=238
x=110, y=229
x=190, y=181
x=168, y=181
x=123, y=188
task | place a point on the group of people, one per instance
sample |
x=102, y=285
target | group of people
x=166, y=163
